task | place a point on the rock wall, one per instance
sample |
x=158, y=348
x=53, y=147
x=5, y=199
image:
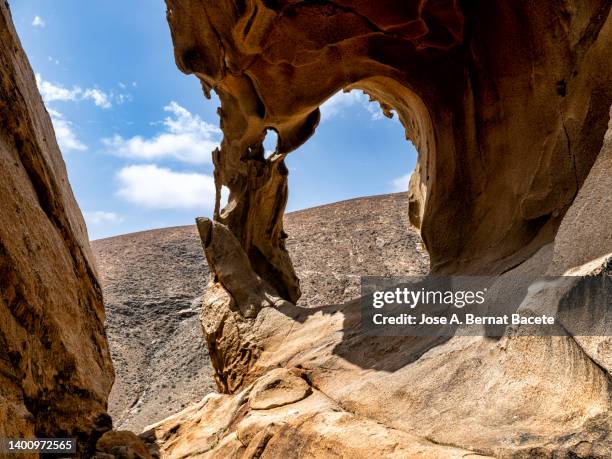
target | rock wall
x=55, y=368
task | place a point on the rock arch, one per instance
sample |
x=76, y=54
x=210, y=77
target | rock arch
x=505, y=102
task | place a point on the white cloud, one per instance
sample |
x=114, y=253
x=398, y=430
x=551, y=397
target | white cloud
x=51, y=92
x=122, y=98
x=400, y=183
x=343, y=100
x=99, y=217
x=160, y=188
x=99, y=98
x=185, y=137
x=38, y=21
x=66, y=138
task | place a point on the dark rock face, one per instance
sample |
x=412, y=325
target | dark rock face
x=55, y=368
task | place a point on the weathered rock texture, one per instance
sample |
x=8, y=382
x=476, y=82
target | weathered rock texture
x=153, y=283
x=55, y=368
x=507, y=103
x=518, y=396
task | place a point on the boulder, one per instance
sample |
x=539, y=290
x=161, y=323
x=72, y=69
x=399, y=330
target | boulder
x=277, y=388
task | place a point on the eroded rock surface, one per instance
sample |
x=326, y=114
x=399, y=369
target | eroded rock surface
x=517, y=396
x=507, y=104
x=55, y=368
x=153, y=283
x=278, y=387
x=506, y=134
x=315, y=426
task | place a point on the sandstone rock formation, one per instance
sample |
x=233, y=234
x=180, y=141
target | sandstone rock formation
x=55, y=368
x=507, y=103
x=505, y=134
x=518, y=396
x=153, y=283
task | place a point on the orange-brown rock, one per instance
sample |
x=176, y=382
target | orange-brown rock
x=121, y=444
x=519, y=396
x=506, y=102
x=227, y=426
x=55, y=368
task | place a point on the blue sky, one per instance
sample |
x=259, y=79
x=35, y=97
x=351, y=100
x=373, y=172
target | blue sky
x=136, y=133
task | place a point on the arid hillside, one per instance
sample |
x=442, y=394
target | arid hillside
x=153, y=283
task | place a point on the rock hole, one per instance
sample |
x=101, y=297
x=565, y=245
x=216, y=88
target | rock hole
x=270, y=142
x=224, y=196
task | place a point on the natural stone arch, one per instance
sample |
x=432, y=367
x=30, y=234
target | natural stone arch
x=416, y=119
x=258, y=190
x=499, y=179
x=517, y=94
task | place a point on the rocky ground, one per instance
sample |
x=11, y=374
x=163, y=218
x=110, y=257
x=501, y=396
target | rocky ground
x=153, y=283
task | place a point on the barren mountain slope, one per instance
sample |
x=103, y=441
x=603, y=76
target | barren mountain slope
x=153, y=282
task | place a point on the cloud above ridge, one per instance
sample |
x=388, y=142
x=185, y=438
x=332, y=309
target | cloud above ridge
x=184, y=137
